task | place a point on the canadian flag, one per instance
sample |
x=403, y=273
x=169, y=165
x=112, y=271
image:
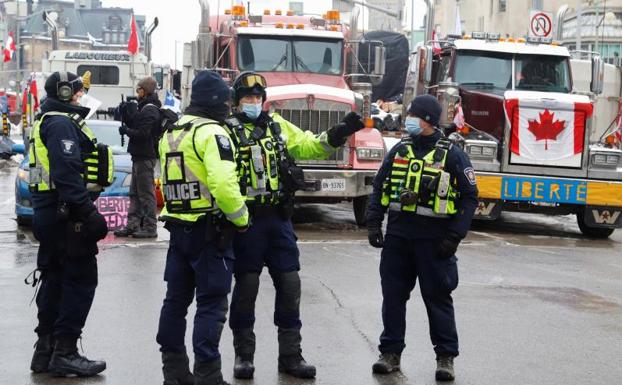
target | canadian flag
x=133, y=44
x=9, y=48
x=547, y=134
x=436, y=47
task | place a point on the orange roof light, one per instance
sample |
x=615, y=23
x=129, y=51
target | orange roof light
x=501, y=39
x=278, y=25
x=266, y=12
x=244, y=23
x=290, y=12
x=278, y=12
x=466, y=37
x=521, y=40
x=290, y=25
x=300, y=26
x=369, y=122
x=464, y=130
x=227, y=12
x=333, y=15
x=511, y=40
x=610, y=139
x=238, y=10
x=334, y=28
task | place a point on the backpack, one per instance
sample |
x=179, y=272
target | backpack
x=168, y=118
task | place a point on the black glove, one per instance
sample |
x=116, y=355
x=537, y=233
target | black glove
x=351, y=123
x=374, y=235
x=123, y=130
x=96, y=226
x=447, y=247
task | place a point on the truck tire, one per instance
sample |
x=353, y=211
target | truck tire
x=592, y=232
x=359, y=205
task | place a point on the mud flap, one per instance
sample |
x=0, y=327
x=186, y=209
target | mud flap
x=603, y=217
x=488, y=209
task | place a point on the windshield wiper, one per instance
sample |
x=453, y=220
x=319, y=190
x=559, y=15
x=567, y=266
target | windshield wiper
x=478, y=84
x=302, y=64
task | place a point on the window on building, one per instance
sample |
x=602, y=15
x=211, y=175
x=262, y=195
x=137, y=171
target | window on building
x=102, y=75
x=502, y=5
x=297, y=7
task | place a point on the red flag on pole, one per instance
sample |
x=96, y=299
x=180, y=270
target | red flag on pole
x=133, y=44
x=9, y=48
x=35, y=94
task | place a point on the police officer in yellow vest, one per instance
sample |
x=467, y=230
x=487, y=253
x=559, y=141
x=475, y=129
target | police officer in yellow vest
x=268, y=178
x=67, y=170
x=429, y=188
x=203, y=205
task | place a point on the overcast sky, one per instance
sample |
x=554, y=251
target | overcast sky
x=179, y=19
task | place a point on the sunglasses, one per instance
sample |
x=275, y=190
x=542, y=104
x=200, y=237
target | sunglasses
x=253, y=80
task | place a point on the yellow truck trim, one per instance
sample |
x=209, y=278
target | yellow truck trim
x=513, y=187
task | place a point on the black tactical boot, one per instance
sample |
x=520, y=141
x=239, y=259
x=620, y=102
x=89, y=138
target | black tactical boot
x=445, y=368
x=208, y=373
x=44, y=348
x=145, y=234
x=243, y=369
x=244, y=346
x=176, y=369
x=295, y=365
x=66, y=360
x=387, y=363
x=124, y=232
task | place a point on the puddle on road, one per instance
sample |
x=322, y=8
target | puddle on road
x=573, y=298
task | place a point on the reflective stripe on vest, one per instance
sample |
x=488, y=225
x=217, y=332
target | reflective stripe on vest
x=184, y=173
x=98, y=165
x=421, y=186
x=258, y=169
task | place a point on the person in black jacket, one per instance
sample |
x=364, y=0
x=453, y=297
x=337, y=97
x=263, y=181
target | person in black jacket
x=429, y=187
x=67, y=225
x=141, y=128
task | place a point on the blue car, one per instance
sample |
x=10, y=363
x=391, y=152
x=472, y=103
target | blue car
x=106, y=131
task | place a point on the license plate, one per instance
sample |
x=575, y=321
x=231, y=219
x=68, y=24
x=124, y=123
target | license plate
x=333, y=185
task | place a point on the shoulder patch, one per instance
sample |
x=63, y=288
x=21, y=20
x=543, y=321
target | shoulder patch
x=470, y=175
x=224, y=147
x=68, y=146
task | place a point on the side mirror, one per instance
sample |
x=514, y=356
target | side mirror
x=18, y=148
x=380, y=60
x=158, y=74
x=429, y=57
x=598, y=72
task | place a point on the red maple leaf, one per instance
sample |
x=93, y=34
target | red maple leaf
x=546, y=129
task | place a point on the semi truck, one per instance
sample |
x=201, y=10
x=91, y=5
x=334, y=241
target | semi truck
x=528, y=132
x=314, y=79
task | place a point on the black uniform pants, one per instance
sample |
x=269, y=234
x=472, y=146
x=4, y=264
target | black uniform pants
x=67, y=282
x=194, y=265
x=402, y=262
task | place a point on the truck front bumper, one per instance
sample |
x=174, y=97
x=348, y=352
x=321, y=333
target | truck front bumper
x=336, y=183
x=602, y=199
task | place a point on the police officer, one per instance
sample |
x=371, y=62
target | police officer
x=429, y=188
x=268, y=179
x=66, y=173
x=203, y=205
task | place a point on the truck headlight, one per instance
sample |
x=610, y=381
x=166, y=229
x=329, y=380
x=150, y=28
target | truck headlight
x=23, y=175
x=370, y=153
x=481, y=149
x=605, y=158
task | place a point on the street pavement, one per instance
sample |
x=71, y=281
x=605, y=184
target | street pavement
x=537, y=304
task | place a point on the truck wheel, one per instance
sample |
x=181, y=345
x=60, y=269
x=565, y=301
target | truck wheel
x=360, y=209
x=592, y=232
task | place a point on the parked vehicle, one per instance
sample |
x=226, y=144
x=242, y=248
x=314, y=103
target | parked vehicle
x=527, y=132
x=314, y=80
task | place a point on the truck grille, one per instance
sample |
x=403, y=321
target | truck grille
x=317, y=121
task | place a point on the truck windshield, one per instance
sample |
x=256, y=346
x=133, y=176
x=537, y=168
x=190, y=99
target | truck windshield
x=542, y=73
x=493, y=70
x=290, y=54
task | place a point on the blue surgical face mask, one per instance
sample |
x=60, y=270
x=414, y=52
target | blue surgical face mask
x=413, y=126
x=252, y=110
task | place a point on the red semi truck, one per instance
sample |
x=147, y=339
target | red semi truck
x=314, y=80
